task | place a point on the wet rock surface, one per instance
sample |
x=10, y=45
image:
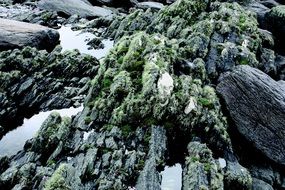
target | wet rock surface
x=33, y=80
x=14, y=34
x=247, y=93
x=153, y=100
x=72, y=7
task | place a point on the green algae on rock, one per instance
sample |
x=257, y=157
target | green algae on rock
x=201, y=170
x=36, y=80
x=144, y=84
x=222, y=34
x=57, y=180
x=161, y=72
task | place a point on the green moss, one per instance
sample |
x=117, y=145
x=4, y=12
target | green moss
x=57, y=181
x=149, y=121
x=194, y=159
x=140, y=164
x=107, y=83
x=205, y=102
x=105, y=150
x=207, y=167
x=108, y=127
x=87, y=119
x=278, y=11
x=126, y=130
x=51, y=162
x=120, y=60
x=243, y=62
x=172, y=46
x=87, y=146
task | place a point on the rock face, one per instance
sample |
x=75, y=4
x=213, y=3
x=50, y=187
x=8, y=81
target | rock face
x=74, y=7
x=33, y=80
x=256, y=105
x=151, y=94
x=150, y=178
x=201, y=170
x=14, y=34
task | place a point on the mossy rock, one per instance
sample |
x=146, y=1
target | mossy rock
x=152, y=91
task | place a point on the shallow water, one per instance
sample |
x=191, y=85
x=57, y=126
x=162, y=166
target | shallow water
x=15, y=140
x=76, y=40
x=172, y=177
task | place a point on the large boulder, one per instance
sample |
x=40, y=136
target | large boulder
x=256, y=104
x=14, y=34
x=74, y=7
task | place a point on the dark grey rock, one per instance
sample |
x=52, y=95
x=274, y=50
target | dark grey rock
x=260, y=11
x=265, y=174
x=258, y=184
x=237, y=177
x=115, y=3
x=201, y=171
x=268, y=62
x=4, y=163
x=65, y=177
x=37, y=80
x=269, y=3
x=74, y=7
x=150, y=178
x=256, y=105
x=275, y=22
x=14, y=34
x=267, y=38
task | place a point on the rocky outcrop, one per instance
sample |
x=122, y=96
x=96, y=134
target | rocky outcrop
x=256, y=105
x=201, y=170
x=33, y=80
x=156, y=85
x=74, y=7
x=150, y=178
x=69, y=158
x=14, y=34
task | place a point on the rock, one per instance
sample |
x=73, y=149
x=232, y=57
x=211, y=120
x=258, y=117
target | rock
x=260, y=10
x=280, y=63
x=201, y=171
x=6, y=2
x=64, y=178
x=14, y=34
x=150, y=4
x=149, y=178
x=4, y=163
x=267, y=38
x=275, y=20
x=237, y=177
x=115, y=3
x=258, y=184
x=1, y=131
x=269, y=3
x=74, y=7
x=265, y=174
x=37, y=80
x=256, y=105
